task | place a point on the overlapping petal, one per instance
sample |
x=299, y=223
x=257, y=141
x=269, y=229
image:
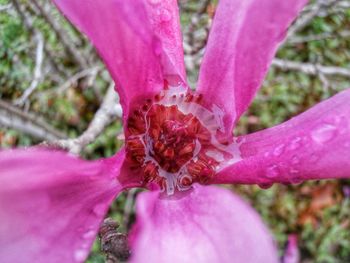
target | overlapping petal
x=165, y=22
x=139, y=51
x=51, y=204
x=207, y=224
x=313, y=145
x=241, y=45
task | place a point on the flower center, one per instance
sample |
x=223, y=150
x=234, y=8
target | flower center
x=172, y=139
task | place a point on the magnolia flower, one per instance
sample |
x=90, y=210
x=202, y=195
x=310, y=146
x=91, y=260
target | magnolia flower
x=177, y=141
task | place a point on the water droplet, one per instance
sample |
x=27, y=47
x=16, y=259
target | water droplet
x=323, y=133
x=347, y=144
x=157, y=48
x=294, y=176
x=272, y=171
x=165, y=15
x=99, y=209
x=80, y=255
x=265, y=185
x=296, y=180
x=314, y=158
x=278, y=150
x=295, y=143
x=154, y=2
x=295, y=160
x=89, y=234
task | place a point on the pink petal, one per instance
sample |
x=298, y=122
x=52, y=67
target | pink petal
x=128, y=41
x=208, y=224
x=165, y=21
x=313, y=145
x=241, y=45
x=51, y=204
x=291, y=254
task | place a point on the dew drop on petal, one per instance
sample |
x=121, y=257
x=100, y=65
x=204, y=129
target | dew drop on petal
x=295, y=160
x=80, y=255
x=295, y=143
x=165, y=15
x=272, y=171
x=154, y=2
x=99, y=210
x=294, y=176
x=278, y=150
x=347, y=144
x=265, y=185
x=89, y=234
x=323, y=133
x=314, y=158
x=342, y=124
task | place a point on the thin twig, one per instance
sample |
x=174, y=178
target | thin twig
x=63, y=36
x=12, y=117
x=307, y=17
x=28, y=23
x=311, y=69
x=72, y=81
x=129, y=206
x=39, y=58
x=110, y=109
x=5, y=7
x=318, y=37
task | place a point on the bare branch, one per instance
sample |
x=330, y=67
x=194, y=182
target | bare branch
x=27, y=21
x=307, y=17
x=326, y=35
x=63, y=36
x=37, y=70
x=110, y=109
x=5, y=7
x=311, y=69
x=128, y=206
x=12, y=117
x=73, y=79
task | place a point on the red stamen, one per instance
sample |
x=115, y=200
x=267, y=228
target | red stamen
x=164, y=142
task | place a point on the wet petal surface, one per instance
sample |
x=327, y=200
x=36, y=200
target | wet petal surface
x=51, y=204
x=208, y=224
x=139, y=50
x=313, y=145
x=241, y=45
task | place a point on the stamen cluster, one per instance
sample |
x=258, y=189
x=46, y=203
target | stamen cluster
x=171, y=140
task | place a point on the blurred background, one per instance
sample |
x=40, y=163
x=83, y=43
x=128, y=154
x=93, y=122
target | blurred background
x=55, y=90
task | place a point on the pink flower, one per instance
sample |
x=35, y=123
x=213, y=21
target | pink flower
x=51, y=203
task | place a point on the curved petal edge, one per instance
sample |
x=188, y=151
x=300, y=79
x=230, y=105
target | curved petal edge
x=242, y=43
x=206, y=224
x=51, y=204
x=312, y=145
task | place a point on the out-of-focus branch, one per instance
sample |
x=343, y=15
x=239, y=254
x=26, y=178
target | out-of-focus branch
x=307, y=17
x=326, y=35
x=63, y=36
x=12, y=117
x=311, y=69
x=79, y=75
x=110, y=109
x=5, y=7
x=39, y=58
x=28, y=23
x=128, y=206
